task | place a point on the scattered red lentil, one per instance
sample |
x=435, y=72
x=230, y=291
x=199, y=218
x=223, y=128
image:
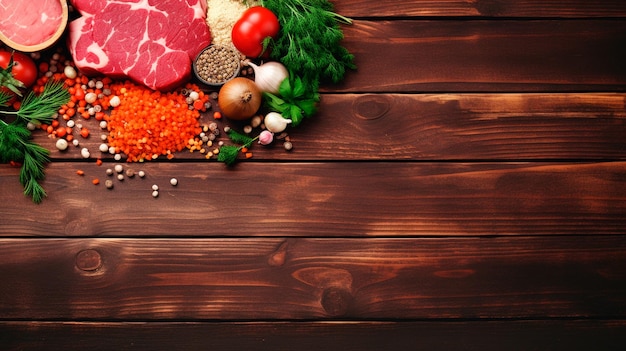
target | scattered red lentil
x=60, y=132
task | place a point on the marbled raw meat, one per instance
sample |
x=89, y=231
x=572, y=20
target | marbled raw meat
x=152, y=42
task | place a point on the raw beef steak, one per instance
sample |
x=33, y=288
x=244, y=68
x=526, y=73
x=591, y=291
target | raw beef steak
x=152, y=42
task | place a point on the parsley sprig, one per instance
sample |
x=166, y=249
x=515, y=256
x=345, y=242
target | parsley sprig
x=15, y=138
x=294, y=100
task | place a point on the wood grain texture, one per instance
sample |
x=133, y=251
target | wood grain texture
x=303, y=279
x=462, y=189
x=567, y=335
x=513, y=126
x=324, y=199
x=482, y=8
x=486, y=56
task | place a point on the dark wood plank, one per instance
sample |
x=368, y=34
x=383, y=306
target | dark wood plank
x=487, y=8
x=452, y=335
x=529, y=126
x=303, y=279
x=486, y=56
x=323, y=199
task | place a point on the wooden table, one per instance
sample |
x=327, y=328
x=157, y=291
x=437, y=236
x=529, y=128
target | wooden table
x=463, y=189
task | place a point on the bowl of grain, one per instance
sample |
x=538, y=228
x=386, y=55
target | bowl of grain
x=217, y=64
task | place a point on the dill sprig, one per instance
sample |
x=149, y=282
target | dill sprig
x=41, y=108
x=15, y=143
x=310, y=40
x=228, y=153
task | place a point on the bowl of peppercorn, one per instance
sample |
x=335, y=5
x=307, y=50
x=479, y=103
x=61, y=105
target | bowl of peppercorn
x=216, y=65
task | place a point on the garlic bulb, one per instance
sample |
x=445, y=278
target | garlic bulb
x=275, y=122
x=268, y=76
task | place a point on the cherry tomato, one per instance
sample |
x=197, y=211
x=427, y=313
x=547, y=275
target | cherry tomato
x=24, y=68
x=251, y=31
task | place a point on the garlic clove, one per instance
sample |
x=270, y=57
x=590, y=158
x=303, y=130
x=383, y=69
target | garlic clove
x=266, y=137
x=275, y=122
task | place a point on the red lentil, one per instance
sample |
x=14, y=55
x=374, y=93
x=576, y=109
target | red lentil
x=148, y=123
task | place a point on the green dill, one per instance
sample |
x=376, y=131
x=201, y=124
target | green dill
x=15, y=143
x=310, y=40
x=228, y=153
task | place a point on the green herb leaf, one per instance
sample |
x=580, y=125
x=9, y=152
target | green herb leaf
x=297, y=100
x=310, y=40
x=15, y=143
x=308, y=107
x=299, y=89
x=240, y=138
x=41, y=108
x=4, y=98
x=284, y=89
x=228, y=154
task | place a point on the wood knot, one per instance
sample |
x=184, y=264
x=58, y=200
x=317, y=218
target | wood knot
x=88, y=260
x=336, y=301
x=371, y=106
x=278, y=257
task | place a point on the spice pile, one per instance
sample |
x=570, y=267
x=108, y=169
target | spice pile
x=217, y=64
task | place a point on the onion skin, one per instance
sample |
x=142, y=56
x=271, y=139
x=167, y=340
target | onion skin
x=239, y=99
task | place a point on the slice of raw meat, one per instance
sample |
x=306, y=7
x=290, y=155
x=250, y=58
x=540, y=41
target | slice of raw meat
x=32, y=25
x=152, y=42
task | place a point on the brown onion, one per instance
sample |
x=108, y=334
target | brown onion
x=239, y=98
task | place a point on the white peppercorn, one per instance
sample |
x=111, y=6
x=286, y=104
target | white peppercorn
x=61, y=144
x=115, y=101
x=70, y=72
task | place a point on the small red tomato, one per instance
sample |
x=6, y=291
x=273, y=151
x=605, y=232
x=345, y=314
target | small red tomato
x=251, y=32
x=24, y=68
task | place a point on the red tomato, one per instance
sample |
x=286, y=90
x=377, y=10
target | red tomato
x=253, y=28
x=24, y=68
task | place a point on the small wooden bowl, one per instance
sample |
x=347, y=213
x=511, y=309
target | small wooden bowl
x=46, y=44
x=223, y=81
